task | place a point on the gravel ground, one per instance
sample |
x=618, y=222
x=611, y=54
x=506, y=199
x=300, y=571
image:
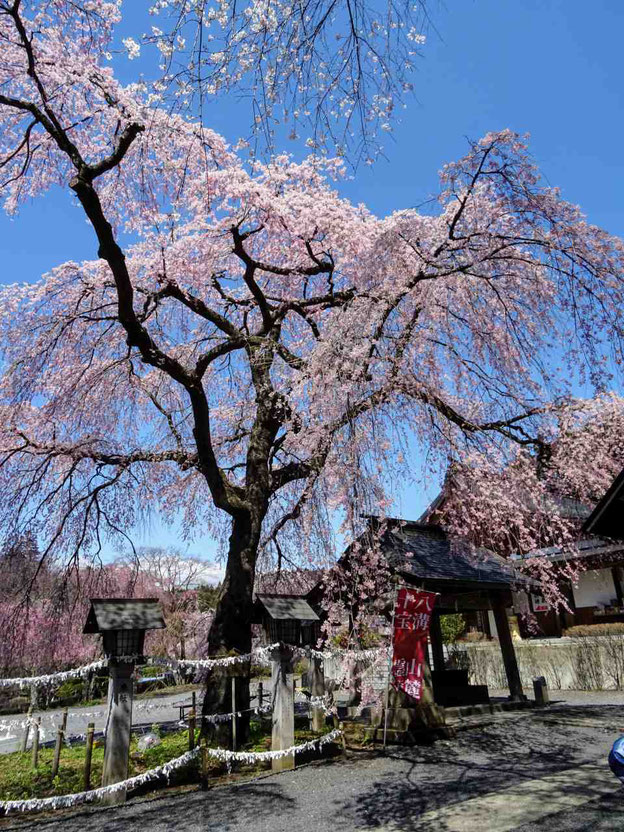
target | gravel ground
x=407, y=790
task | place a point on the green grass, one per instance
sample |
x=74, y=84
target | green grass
x=18, y=781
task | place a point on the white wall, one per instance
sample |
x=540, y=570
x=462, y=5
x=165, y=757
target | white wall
x=594, y=587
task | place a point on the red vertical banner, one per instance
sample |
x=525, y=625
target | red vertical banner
x=412, y=616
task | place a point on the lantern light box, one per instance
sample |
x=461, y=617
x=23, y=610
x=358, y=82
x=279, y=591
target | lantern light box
x=287, y=618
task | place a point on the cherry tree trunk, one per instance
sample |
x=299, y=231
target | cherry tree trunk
x=231, y=632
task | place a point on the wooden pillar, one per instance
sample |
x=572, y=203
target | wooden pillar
x=507, y=649
x=283, y=696
x=616, y=572
x=117, y=750
x=437, y=643
x=317, y=690
x=484, y=620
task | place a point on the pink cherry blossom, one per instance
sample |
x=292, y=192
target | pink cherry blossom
x=260, y=356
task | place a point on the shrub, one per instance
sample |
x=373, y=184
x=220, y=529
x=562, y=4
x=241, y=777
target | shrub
x=70, y=691
x=588, y=670
x=587, y=630
x=474, y=635
x=452, y=627
x=148, y=671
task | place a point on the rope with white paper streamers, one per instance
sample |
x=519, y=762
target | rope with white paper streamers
x=226, y=756
x=49, y=678
x=356, y=655
x=261, y=655
x=215, y=719
x=16, y=724
x=66, y=801
x=320, y=702
x=223, y=755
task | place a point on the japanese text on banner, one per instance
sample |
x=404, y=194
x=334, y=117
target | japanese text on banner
x=412, y=616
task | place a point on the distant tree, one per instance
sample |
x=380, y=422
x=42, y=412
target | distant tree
x=208, y=597
x=173, y=578
x=170, y=570
x=20, y=563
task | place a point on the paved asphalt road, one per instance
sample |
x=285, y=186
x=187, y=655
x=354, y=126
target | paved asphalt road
x=145, y=711
x=526, y=771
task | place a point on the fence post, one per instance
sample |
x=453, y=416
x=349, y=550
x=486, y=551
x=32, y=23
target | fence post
x=60, y=737
x=88, y=755
x=260, y=693
x=204, y=765
x=191, y=730
x=35, y=745
x=233, y=713
x=57, y=751
x=27, y=729
x=343, y=740
x=317, y=690
x=283, y=707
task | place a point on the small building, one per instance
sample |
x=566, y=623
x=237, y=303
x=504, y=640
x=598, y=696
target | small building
x=597, y=595
x=467, y=578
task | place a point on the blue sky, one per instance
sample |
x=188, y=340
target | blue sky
x=548, y=67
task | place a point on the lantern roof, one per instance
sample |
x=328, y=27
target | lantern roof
x=124, y=614
x=281, y=607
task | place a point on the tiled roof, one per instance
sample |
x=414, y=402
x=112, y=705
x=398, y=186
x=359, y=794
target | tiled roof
x=607, y=518
x=587, y=548
x=568, y=507
x=124, y=614
x=427, y=552
x=287, y=606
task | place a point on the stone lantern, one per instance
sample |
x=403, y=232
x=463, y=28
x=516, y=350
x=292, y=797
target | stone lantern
x=122, y=623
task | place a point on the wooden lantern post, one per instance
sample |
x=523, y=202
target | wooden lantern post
x=283, y=694
x=290, y=621
x=123, y=623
